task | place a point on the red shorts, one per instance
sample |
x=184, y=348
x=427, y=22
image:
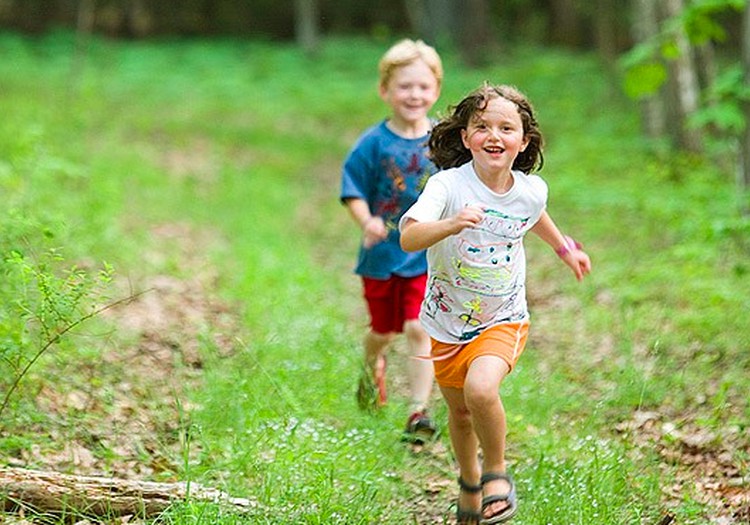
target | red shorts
x=393, y=301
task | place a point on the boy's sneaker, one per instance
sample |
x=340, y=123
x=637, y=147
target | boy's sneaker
x=419, y=428
x=371, y=389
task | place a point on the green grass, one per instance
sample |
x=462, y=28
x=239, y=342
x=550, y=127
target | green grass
x=244, y=140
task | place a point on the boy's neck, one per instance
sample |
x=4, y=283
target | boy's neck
x=409, y=130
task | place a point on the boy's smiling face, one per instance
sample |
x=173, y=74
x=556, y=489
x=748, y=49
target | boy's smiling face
x=411, y=92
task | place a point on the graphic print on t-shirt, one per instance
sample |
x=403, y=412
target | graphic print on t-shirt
x=400, y=184
x=484, y=266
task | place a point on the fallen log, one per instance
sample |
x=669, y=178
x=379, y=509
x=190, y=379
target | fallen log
x=53, y=492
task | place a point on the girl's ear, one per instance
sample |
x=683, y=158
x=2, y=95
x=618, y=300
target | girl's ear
x=524, y=144
x=464, y=138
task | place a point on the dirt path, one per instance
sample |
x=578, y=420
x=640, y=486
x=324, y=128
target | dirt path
x=161, y=360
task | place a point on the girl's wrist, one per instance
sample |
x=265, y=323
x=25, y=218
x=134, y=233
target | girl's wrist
x=569, y=245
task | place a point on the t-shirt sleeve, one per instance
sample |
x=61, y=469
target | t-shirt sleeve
x=357, y=174
x=354, y=176
x=431, y=203
x=540, y=192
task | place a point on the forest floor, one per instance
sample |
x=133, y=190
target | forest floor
x=161, y=361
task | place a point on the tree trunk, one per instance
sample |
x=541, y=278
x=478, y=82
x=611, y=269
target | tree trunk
x=743, y=178
x=605, y=33
x=138, y=19
x=706, y=64
x=306, y=25
x=416, y=10
x=474, y=36
x=433, y=20
x=684, y=87
x=646, y=27
x=84, y=27
x=51, y=492
x=564, y=20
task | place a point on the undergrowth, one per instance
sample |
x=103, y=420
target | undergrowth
x=246, y=138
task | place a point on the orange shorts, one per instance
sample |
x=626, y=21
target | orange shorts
x=451, y=361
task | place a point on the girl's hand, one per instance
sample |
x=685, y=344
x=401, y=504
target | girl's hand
x=373, y=232
x=579, y=262
x=468, y=217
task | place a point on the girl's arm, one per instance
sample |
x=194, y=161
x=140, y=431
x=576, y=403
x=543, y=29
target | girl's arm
x=417, y=235
x=575, y=258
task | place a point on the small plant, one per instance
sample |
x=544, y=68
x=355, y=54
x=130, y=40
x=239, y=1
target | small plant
x=44, y=307
x=42, y=297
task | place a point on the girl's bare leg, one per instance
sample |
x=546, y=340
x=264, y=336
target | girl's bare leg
x=465, y=445
x=488, y=418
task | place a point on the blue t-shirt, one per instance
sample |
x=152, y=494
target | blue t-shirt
x=388, y=172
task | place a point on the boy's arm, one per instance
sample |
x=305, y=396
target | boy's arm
x=373, y=228
x=359, y=210
x=576, y=259
x=417, y=235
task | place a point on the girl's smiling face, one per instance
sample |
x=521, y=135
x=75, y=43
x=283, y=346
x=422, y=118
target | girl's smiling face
x=495, y=137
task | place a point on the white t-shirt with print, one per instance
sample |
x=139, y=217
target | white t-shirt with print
x=477, y=278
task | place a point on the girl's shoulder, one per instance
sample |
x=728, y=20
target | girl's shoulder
x=458, y=173
x=450, y=179
x=532, y=187
x=531, y=180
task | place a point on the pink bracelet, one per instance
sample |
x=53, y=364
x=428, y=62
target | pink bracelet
x=570, y=244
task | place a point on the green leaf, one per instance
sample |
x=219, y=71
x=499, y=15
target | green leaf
x=726, y=117
x=670, y=51
x=704, y=29
x=644, y=79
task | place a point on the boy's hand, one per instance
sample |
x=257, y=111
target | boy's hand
x=373, y=232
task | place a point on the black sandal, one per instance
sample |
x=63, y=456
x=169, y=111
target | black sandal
x=509, y=511
x=463, y=516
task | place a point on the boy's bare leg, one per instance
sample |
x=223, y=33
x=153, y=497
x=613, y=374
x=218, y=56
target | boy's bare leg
x=421, y=374
x=375, y=345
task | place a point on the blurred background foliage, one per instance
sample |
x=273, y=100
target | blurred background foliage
x=679, y=58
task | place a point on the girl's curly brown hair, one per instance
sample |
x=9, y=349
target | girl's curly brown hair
x=447, y=150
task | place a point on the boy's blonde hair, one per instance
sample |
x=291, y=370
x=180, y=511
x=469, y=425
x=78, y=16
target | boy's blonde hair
x=405, y=52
